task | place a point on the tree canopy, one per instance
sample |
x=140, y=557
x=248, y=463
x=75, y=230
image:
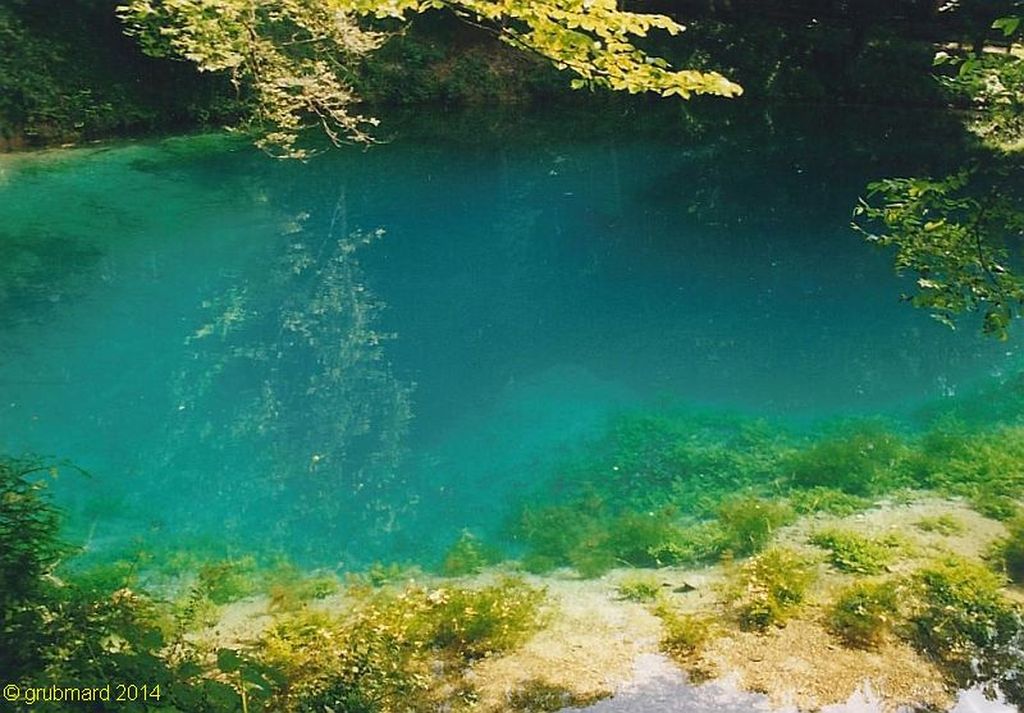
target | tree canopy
x=961, y=234
x=295, y=57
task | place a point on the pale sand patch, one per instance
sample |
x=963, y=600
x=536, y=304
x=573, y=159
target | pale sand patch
x=588, y=647
x=803, y=665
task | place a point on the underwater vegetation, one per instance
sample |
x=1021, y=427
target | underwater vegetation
x=392, y=647
x=1009, y=552
x=768, y=588
x=985, y=466
x=538, y=695
x=398, y=649
x=864, y=613
x=55, y=630
x=639, y=588
x=469, y=555
x=864, y=460
x=655, y=491
x=944, y=524
x=747, y=524
x=679, y=489
x=960, y=618
x=850, y=552
x=685, y=636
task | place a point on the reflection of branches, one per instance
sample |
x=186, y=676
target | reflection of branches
x=288, y=378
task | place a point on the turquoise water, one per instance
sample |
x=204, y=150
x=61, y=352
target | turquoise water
x=353, y=359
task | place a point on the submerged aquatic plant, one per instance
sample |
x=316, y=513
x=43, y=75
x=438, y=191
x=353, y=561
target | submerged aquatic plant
x=944, y=524
x=586, y=537
x=384, y=655
x=229, y=580
x=1009, y=551
x=748, y=523
x=685, y=634
x=865, y=613
x=984, y=466
x=863, y=460
x=820, y=498
x=639, y=588
x=765, y=590
x=855, y=553
x=469, y=555
x=538, y=696
x=960, y=615
x=54, y=630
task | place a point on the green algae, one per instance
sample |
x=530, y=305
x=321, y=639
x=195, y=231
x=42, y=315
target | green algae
x=864, y=614
x=537, y=695
x=639, y=588
x=381, y=655
x=685, y=634
x=864, y=459
x=944, y=524
x=1008, y=552
x=850, y=552
x=767, y=590
x=468, y=555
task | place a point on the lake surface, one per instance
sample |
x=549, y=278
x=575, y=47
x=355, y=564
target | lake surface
x=353, y=359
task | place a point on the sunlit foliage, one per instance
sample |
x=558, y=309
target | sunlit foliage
x=956, y=237
x=297, y=57
x=960, y=234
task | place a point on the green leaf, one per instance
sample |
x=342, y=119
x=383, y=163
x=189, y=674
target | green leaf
x=1008, y=25
x=228, y=660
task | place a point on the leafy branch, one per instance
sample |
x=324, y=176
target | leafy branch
x=292, y=58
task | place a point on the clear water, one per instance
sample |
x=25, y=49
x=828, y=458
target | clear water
x=239, y=360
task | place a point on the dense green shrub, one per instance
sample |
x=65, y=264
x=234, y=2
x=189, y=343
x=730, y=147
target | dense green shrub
x=29, y=552
x=55, y=631
x=67, y=70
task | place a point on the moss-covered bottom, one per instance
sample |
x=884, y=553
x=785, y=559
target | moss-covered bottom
x=805, y=566
x=905, y=616
x=908, y=599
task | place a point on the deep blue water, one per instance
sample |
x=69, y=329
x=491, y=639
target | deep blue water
x=356, y=357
